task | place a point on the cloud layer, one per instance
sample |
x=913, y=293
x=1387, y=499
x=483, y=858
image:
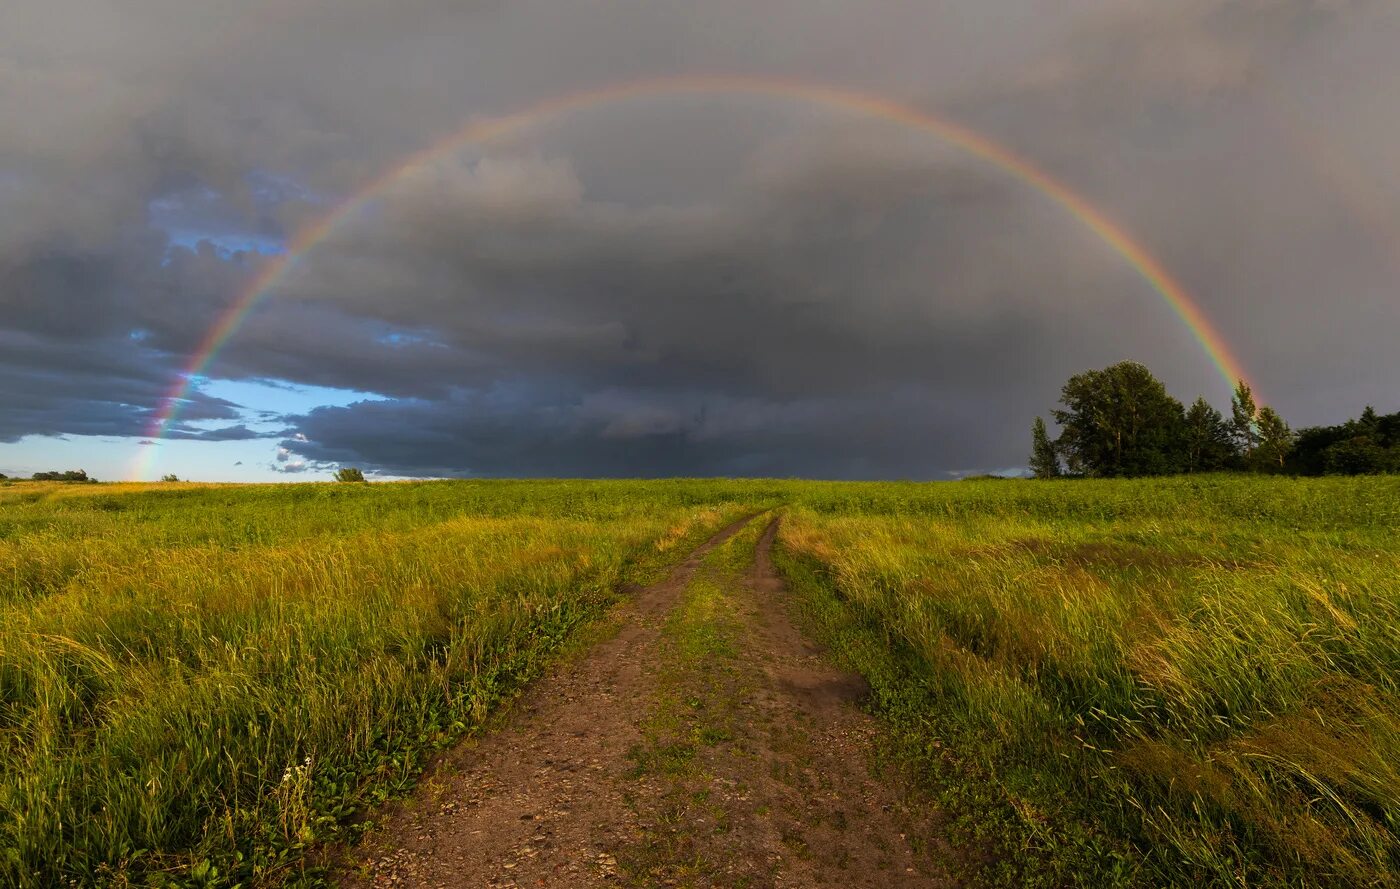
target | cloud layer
x=685, y=285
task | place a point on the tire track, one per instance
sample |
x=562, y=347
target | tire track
x=707, y=743
x=537, y=802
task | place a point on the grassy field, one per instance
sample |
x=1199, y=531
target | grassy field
x=1156, y=682
x=196, y=683
x=1175, y=682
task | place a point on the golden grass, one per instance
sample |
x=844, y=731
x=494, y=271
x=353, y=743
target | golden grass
x=201, y=682
x=1208, y=669
x=1188, y=681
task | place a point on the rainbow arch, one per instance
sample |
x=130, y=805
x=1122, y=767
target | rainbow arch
x=483, y=130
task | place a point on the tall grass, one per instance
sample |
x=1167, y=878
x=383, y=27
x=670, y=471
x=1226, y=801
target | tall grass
x=1165, y=682
x=1204, y=674
x=199, y=683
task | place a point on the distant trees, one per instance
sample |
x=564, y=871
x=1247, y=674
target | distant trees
x=1367, y=445
x=349, y=474
x=171, y=477
x=1045, y=463
x=1121, y=422
x=72, y=475
x=1118, y=422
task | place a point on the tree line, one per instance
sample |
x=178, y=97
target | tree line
x=348, y=474
x=72, y=475
x=1120, y=422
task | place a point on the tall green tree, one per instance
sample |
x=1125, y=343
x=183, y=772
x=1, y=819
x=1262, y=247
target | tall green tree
x=1209, y=445
x=1120, y=421
x=1369, y=422
x=1045, y=463
x=1243, y=418
x=1275, y=441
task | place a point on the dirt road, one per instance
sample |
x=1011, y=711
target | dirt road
x=706, y=743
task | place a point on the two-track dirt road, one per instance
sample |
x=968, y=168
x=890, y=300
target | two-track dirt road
x=706, y=743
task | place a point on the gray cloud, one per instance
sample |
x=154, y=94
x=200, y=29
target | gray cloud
x=618, y=434
x=701, y=285
x=52, y=387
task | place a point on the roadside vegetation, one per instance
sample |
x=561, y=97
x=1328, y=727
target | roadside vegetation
x=1173, y=682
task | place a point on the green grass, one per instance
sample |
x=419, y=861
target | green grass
x=1174, y=682
x=199, y=683
x=1168, y=682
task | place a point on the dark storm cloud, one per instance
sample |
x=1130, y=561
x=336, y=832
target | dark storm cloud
x=616, y=433
x=691, y=286
x=52, y=387
x=85, y=337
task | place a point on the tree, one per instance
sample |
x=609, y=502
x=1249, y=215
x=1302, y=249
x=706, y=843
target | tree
x=1356, y=456
x=1367, y=445
x=1244, y=415
x=1044, y=461
x=1209, y=447
x=1369, y=421
x=1275, y=440
x=172, y=477
x=349, y=474
x=1120, y=421
x=72, y=475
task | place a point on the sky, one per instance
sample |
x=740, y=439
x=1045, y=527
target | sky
x=672, y=282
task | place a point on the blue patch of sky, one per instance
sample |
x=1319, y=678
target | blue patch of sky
x=190, y=216
x=405, y=338
x=280, y=397
x=264, y=405
x=226, y=244
x=1002, y=472
x=271, y=189
x=115, y=459
x=199, y=213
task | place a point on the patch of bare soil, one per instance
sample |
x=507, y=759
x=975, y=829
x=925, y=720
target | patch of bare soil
x=859, y=830
x=644, y=763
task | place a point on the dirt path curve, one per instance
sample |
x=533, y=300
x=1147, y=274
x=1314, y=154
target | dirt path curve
x=705, y=744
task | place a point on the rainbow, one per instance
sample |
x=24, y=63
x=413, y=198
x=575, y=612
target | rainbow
x=487, y=129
